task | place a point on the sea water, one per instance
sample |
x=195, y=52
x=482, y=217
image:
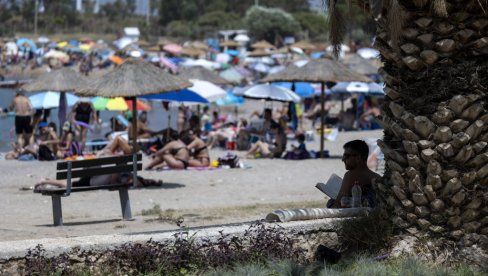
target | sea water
x=7, y=128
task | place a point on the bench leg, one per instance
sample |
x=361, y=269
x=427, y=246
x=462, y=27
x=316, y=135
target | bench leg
x=125, y=203
x=57, y=211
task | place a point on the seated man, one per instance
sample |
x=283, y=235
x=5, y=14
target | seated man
x=355, y=159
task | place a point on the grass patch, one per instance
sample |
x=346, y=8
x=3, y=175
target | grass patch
x=362, y=265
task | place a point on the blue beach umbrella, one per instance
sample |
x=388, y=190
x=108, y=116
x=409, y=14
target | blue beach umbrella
x=230, y=99
x=184, y=95
x=303, y=89
x=49, y=99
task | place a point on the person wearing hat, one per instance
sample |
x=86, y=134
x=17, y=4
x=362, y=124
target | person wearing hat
x=82, y=115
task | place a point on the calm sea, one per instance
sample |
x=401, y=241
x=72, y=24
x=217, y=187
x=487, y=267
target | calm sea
x=7, y=129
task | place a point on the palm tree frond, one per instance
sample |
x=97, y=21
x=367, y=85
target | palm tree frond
x=337, y=27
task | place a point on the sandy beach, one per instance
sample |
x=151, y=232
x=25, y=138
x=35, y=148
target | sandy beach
x=203, y=198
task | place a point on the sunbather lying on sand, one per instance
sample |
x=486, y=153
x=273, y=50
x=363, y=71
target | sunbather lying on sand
x=109, y=179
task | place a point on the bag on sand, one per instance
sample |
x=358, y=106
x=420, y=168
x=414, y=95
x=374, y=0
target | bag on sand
x=45, y=154
x=229, y=159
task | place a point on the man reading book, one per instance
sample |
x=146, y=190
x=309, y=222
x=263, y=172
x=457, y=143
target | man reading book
x=355, y=159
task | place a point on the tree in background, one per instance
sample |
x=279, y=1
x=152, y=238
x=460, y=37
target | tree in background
x=270, y=24
x=315, y=24
x=435, y=120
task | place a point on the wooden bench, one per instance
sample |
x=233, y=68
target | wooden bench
x=94, y=167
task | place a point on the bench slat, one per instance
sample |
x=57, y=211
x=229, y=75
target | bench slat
x=97, y=171
x=61, y=191
x=97, y=161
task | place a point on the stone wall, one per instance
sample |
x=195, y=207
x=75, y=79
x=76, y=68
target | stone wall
x=309, y=233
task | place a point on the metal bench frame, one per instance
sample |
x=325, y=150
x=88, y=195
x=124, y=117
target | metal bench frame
x=95, y=167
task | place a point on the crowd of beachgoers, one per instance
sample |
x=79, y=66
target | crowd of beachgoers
x=190, y=130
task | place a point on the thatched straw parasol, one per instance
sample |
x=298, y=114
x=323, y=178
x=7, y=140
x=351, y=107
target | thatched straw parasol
x=304, y=45
x=324, y=71
x=263, y=44
x=131, y=79
x=229, y=43
x=360, y=65
x=201, y=73
x=199, y=45
x=192, y=52
x=60, y=80
x=259, y=53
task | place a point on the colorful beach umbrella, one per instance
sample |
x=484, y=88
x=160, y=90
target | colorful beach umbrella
x=117, y=104
x=50, y=99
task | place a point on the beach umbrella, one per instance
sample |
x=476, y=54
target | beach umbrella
x=229, y=43
x=302, y=89
x=232, y=75
x=241, y=38
x=133, y=78
x=118, y=104
x=230, y=99
x=199, y=92
x=174, y=49
x=358, y=87
x=207, y=90
x=222, y=58
x=271, y=93
x=140, y=105
x=60, y=80
x=360, y=65
x=368, y=53
x=324, y=71
x=182, y=96
x=50, y=99
x=304, y=45
x=259, y=53
x=263, y=44
x=25, y=43
x=201, y=73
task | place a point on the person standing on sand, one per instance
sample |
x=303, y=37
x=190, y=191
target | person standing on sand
x=23, y=112
x=355, y=159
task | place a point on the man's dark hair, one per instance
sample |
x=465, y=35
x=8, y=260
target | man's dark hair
x=358, y=146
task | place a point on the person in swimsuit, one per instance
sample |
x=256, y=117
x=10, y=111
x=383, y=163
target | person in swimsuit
x=67, y=145
x=23, y=112
x=82, y=114
x=270, y=149
x=174, y=154
x=200, y=156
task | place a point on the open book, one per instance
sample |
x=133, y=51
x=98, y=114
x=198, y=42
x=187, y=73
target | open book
x=332, y=187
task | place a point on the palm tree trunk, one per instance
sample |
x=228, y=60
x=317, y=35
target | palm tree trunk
x=435, y=118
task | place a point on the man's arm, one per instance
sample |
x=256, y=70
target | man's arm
x=347, y=183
